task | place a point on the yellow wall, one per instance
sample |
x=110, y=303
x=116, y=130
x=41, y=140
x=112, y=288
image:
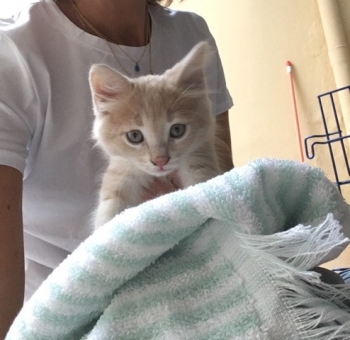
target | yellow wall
x=255, y=39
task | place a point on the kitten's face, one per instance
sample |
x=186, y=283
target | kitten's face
x=155, y=122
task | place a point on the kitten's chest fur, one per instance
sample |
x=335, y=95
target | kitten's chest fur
x=130, y=184
x=150, y=128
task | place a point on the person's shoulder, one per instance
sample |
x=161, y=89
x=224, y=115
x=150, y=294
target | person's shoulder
x=20, y=40
x=21, y=22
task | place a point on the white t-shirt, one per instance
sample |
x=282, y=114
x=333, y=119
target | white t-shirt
x=46, y=117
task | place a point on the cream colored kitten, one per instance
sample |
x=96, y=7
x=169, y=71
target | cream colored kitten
x=151, y=127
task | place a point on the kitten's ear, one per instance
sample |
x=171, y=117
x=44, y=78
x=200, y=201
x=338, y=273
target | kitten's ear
x=189, y=73
x=107, y=84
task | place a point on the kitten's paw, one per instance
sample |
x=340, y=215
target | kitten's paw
x=106, y=211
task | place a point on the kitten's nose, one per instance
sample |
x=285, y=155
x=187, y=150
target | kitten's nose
x=160, y=161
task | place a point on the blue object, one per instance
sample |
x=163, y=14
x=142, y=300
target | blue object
x=344, y=273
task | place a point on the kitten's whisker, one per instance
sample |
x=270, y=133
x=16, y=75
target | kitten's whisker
x=95, y=145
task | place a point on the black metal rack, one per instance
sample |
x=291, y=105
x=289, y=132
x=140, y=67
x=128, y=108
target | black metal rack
x=331, y=138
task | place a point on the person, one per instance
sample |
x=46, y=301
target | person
x=49, y=167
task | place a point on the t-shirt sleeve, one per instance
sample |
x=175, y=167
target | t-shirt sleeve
x=219, y=94
x=17, y=99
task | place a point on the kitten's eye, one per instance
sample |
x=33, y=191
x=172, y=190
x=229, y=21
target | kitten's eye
x=177, y=130
x=135, y=136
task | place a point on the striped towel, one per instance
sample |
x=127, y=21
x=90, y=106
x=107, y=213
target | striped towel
x=225, y=259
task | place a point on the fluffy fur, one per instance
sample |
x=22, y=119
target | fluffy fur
x=150, y=127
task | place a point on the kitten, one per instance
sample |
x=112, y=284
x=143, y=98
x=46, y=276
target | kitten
x=150, y=127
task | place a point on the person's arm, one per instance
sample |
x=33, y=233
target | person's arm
x=11, y=247
x=224, y=148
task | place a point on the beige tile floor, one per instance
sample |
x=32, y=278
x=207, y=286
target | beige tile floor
x=342, y=261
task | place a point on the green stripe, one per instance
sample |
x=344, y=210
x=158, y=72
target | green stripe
x=45, y=315
x=324, y=205
x=86, y=277
x=166, y=238
x=172, y=263
x=228, y=212
x=235, y=328
x=33, y=333
x=191, y=318
x=286, y=182
x=179, y=201
x=120, y=311
x=72, y=299
x=215, y=194
x=268, y=190
x=301, y=202
x=112, y=258
x=253, y=197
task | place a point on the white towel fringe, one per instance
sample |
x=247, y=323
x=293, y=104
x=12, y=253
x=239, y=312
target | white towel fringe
x=303, y=247
x=320, y=311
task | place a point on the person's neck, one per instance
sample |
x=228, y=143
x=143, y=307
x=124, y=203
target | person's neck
x=124, y=22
